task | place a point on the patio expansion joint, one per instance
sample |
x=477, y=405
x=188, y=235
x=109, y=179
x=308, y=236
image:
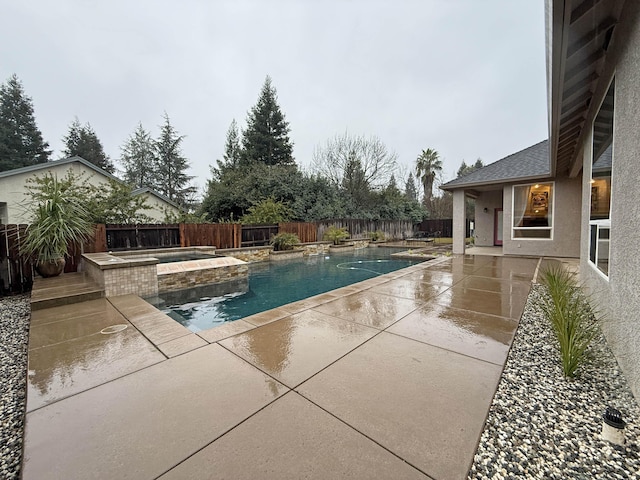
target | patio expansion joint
x=488, y=362
x=140, y=331
x=378, y=332
x=364, y=434
x=92, y=388
x=289, y=390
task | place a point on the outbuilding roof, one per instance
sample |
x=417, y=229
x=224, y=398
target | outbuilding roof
x=532, y=162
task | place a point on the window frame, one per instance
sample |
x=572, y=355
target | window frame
x=553, y=213
x=603, y=223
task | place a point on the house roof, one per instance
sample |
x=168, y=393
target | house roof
x=64, y=161
x=532, y=162
x=603, y=163
x=76, y=159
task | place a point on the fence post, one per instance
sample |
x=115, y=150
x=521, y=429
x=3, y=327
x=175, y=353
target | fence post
x=183, y=239
x=100, y=238
x=237, y=235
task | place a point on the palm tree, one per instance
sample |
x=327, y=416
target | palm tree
x=428, y=164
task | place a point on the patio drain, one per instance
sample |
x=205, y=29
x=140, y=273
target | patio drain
x=113, y=329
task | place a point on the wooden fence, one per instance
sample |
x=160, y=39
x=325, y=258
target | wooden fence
x=257, y=235
x=441, y=227
x=392, y=229
x=16, y=273
x=307, y=232
x=132, y=237
x=222, y=235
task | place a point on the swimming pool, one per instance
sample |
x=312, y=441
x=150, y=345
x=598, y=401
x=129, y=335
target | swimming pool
x=185, y=257
x=273, y=284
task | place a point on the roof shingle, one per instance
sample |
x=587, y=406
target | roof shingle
x=530, y=162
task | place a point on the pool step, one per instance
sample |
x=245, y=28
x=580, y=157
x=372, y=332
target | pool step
x=65, y=289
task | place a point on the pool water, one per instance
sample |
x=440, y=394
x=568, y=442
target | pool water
x=185, y=257
x=273, y=284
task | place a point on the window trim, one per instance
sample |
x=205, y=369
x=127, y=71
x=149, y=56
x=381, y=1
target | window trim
x=553, y=213
x=605, y=222
x=599, y=224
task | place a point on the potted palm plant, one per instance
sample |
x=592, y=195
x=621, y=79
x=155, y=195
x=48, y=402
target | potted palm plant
x=58, y=219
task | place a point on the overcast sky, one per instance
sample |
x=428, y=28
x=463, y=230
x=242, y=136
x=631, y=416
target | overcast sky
x=465, y=77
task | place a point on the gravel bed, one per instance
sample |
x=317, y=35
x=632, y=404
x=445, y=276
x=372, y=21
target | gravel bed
x=15, y=314
x=541, y=425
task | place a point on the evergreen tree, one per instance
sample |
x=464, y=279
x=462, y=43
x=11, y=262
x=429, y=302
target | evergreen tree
x=410, y=190
x=83, y=142
x=172, y=179
x=232, y=148
x=139, y=159
x=21, y=142
x=266, y=138
x=354, y=183
x=467, y=169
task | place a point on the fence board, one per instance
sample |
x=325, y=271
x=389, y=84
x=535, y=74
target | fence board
x=16, y=273
x=443, y=226
x=99, y=241
x=306, y=231
x=219, y=235
x=257, y=235
x=392, y=229
x=133, y=237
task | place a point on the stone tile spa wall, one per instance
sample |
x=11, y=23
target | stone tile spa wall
x=172, y=281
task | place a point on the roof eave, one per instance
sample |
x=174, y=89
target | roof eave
x=557, y=17
x=504, y=181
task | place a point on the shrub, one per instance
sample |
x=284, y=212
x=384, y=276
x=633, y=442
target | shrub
x=284, y=241
x=58, y=219
x=335, y=234
x=267, y=211
x=571, y=317
x=376, y=236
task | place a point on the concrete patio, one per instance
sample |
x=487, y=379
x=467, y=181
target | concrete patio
x=388, y=378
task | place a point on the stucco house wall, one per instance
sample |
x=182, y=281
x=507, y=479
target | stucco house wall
x=159, y=208
x=566, y=223
x=484, y=221
x=618, y=297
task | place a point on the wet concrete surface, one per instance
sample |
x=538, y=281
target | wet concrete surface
x=390, y=378
x=69, y=353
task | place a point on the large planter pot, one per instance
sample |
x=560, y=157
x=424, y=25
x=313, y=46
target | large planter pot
x=51, y=269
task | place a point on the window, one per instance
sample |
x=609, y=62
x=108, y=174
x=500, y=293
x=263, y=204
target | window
x=532, y=211
x=600, y=192
x=4, y=214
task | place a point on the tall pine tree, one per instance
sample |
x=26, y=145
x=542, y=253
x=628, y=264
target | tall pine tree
x=172, y=179
x=21, y=142
x=139, y=159
x=410, y=190
x=266, y=139
x=83, y=142
x=232, y=149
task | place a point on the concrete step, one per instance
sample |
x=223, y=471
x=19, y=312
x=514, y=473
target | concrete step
x=64, y=289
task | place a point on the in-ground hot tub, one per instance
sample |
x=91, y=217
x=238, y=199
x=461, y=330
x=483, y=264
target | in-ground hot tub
x=144, y=273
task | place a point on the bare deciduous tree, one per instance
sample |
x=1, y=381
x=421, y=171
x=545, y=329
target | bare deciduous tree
x=377, y=162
